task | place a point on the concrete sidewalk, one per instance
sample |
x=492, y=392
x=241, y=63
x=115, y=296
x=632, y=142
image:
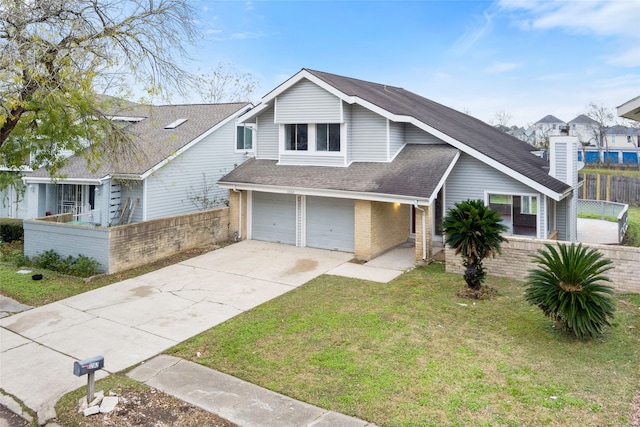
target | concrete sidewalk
x=133, y=320
x=238, y=401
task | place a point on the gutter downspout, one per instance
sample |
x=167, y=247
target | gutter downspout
x=424, y=231
x=239, y=214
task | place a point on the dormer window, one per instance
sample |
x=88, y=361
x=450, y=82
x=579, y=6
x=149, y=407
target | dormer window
x=328, y=137
x=296, y=137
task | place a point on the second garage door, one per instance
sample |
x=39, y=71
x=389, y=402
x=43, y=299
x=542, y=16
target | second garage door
x=330, y=223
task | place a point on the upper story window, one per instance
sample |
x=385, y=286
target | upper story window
x=296, y=137
x=244, y=138
x=328, y=137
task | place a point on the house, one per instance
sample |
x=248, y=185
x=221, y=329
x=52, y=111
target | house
x=585, y=129
x=345, y=164
x=178, y=153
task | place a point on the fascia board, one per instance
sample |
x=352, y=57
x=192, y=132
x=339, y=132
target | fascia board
x=189, y=145
x=253, y=112
x=355, y=195
x=445, y=176
x=630, y=109
x=81, y=181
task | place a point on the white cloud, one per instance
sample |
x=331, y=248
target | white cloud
x=600, y=18
x=473, y=34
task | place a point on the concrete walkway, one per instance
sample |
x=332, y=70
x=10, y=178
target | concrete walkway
x=597, y=231
x=134, y=320
x=238, y=401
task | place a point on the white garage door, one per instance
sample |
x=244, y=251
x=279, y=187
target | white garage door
x=330, y=223
x=274, y=217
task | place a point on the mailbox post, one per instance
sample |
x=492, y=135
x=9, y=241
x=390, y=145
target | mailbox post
x=88, y=367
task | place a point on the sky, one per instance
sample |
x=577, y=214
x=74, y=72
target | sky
x=524, y=58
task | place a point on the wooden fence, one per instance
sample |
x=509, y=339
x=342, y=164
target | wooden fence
x=620, y=189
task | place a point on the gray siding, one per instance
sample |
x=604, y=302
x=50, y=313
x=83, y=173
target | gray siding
x=67, y=240
x=415, y=135
x=267, y=140
x=171, y=189
x=561, y=161
x=470, y=178
x=346, y=111
x=132, y=190
x=396, y=138
x=13, y=203
x=562, y=210
x=306, y=102
x=368, y=136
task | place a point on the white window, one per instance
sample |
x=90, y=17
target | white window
x=244, y=138
x=328, y=137
x=529, y=205
x=296, y=137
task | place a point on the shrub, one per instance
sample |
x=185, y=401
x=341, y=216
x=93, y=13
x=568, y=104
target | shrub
x=82, y=266
x=474, y=231
x=567, y=286
x=11, y=230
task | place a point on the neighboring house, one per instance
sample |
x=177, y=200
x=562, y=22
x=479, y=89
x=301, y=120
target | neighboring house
x=543, y=129
x=177, y=155
x=585, y=129
x=362, y=167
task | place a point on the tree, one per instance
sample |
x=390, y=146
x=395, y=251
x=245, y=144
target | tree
x=56, y=53
x=473, y=230
x=567, y=286
x=501, y=120
x=605, y=118
x=226, y=84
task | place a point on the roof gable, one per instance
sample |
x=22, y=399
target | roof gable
x=583, y=119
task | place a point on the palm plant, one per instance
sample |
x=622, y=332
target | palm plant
x=567, y=286
x=473, y=230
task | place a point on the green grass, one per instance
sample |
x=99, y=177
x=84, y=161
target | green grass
x=633, y=232
x=632, y=172
x=609, y=218
x=410, y=353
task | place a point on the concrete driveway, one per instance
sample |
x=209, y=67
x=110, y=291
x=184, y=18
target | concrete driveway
x=131, y=321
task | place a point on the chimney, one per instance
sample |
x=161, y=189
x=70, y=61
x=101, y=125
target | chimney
x=563, y=165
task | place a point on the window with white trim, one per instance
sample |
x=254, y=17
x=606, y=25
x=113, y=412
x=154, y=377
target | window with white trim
x=328, y=137
x=529, y=205
x=296, y=137
x=244, y=138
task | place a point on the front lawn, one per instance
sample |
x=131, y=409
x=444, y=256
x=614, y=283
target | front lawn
x=410, y=353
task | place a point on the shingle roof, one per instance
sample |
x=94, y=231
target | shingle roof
x=499, y=146
x=415, y=172
x=584, y=119
x=152, y=143
x=549, y=119
x=621, y=130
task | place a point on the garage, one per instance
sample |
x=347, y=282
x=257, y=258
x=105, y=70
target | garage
x=330, y=223
x=274, y=217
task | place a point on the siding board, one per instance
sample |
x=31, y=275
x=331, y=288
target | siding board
x=368, y=136
x=306, y=102
x=267, y=136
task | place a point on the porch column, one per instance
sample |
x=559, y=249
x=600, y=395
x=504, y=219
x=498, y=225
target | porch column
x=425, y=242
x=237, y=223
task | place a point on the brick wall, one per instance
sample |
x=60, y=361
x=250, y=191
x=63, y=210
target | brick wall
x=419, y=231
x=137, y=244
x=234, y=219
x=379, y=227
x=515, y=261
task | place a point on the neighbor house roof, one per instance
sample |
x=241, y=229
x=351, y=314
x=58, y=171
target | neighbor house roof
x=417, y=172
x=464, y=132
x=583, y=119
x=152, y=142
x=549, y=119
x=621, y=130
